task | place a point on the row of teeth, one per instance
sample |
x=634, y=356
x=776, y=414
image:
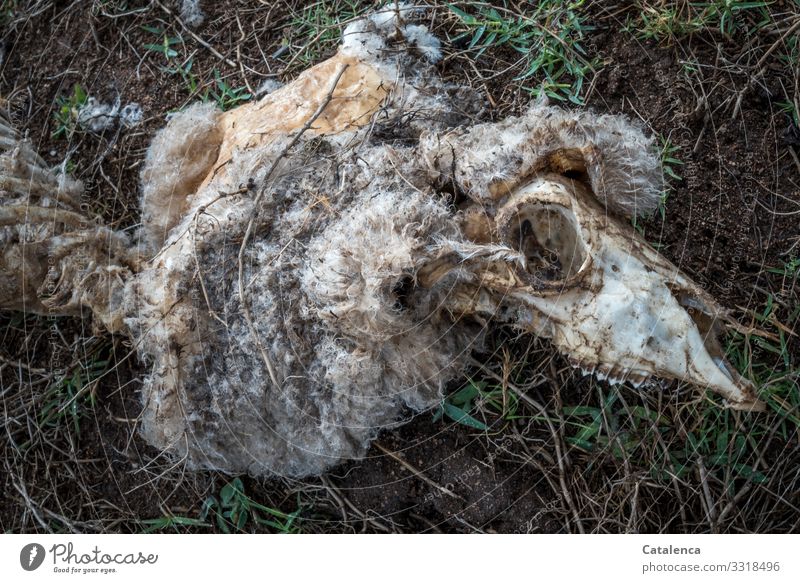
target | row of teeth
x=613, y=374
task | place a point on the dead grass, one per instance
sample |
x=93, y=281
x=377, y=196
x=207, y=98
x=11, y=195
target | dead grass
x=537, y=448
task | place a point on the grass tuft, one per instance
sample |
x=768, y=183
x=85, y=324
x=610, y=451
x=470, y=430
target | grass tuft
x=66, y=114
x=670, y=21
x=549, y=38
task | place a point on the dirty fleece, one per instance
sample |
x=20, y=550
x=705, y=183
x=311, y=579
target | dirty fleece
x=342, y=227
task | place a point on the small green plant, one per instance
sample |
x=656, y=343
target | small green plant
x=790, y=268
x=669, y=163
x=790, y=109
x=608, y=426
x=67, y=110
x=66, y=400
x=459, y=406
x=226, y=96
x=165, y=46
x=173, y=67
x=234, y=510
x=550, y=37
x=222, y=93
x=503, y=403
x=190, y=81
x=318, y=27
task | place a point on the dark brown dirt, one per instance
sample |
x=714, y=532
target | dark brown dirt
x=731, y=217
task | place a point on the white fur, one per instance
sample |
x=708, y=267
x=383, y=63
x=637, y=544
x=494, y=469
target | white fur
x=191, y=13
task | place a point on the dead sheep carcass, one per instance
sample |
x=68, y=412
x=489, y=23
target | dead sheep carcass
x=314, y=265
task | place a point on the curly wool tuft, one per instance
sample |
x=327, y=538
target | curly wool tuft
x=328, y=307
x=177, y=161
x=619, y=160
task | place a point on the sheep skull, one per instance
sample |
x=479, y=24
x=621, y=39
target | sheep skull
x=600, y=293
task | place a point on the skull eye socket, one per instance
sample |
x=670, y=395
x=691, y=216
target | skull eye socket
x=548, y=236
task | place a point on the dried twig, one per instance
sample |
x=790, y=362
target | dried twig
x=416, y=472
x=196, y=37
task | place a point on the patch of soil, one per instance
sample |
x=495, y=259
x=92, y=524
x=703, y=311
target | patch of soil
x=470, y=483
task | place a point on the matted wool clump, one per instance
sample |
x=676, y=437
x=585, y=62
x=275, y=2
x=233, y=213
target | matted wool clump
x=316, y=266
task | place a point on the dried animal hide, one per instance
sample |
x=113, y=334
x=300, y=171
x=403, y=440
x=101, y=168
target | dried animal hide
x=54, y=260
x=308, y=280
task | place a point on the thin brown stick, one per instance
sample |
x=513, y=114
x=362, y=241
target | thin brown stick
x=711, y=511
x=416, y=472
x=196, y=37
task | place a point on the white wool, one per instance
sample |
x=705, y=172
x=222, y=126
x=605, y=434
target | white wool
x=191, y=13
x=359, y=39
x=425, y=41
x=131, y=115
x=268, y=85
x=96, y=116
x=387, y=17
x=366, y=37
x=178, y=160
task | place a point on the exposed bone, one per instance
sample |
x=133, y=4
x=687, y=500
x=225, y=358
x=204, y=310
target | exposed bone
x=306, y=280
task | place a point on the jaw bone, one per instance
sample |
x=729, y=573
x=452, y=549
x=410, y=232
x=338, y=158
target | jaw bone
x=367, y=288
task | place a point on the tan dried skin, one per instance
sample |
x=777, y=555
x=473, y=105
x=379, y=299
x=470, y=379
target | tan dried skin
x=358, y=95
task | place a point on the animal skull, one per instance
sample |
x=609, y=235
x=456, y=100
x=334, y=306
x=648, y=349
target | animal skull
x=605, y=298
x=302, y=277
